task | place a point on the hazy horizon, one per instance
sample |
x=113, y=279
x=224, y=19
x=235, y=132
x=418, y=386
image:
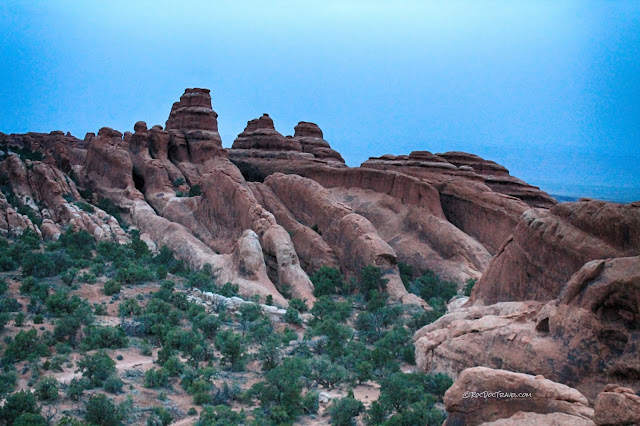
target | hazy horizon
x=550, y=90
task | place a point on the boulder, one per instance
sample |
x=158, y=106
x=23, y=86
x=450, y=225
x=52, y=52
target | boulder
x=617, y=405
x=482, y=395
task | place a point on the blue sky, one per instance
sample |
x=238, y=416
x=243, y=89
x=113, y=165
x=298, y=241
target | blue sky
x=550, y=89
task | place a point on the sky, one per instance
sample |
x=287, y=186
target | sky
x=549, y=89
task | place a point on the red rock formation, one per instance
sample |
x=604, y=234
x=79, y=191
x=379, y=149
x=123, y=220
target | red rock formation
x=260, y=133
x=352, y=238
x=467, y=201
x=548, y=246
x=468, y=404
x=617, y=405
x=456, y=243
x=585, y=339
x=311, y=140
x=193, y=112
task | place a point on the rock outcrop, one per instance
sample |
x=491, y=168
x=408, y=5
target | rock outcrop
x=586, y=338
x=446, y=220
x=617, y=405
x=548, y=246
x=486, y=396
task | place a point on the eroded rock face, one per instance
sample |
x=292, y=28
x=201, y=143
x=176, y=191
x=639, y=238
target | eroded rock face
x=410, y=211
x=466, y=199
x=586, y=339
x=548, y=246
x=351, y=237
x=466, y=407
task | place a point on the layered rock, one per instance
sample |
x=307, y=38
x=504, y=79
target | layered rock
x=586, y=339
x=468, y=166
x=548, y=246
x=312, y=141
x=486, y=396
x=466, y=199
x=261, y=133
x=450, y=222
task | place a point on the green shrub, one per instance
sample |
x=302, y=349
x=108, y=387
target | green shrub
x=250, y=312
x=77, y=244
x=156, y=378
x=406, y=274
x=229, y=289
x=431, y=286
x=220, y=415
x=344, y=410
x=372, y=286
x=327, y=308
x=327, y=373
x=42, y=265
x=291, y=316
x=18, y=321
x=468, y=287
x=34, y=289
x=298, y=304
x=208, y=324
x=102, y=412
x=104, y=337
x=230, y=344
x=161, y=273
x=113, y=384
x=160, y=416
x=3, y=286
x=17, y=404
x=25, y=345
x=195, y=191
x=97, y=367
x=4, y=320
x=311, y=402
x=139, y=247
x=76, y=388
x=327, y=281
x=111, y=287
x=60, y=304
x=47, y=389
x=69, y=275
x=107, y=205
x=134, y=274
x=280, y=395
x=30, y=419
x=88, y=278
x=85, y=206
x=7, y=263
x=8, y=380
